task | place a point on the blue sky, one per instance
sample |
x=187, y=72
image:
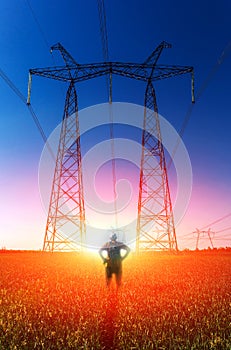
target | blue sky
x=200, y=35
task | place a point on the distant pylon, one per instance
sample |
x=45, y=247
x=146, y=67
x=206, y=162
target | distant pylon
x=209, y=236
x=65, y=228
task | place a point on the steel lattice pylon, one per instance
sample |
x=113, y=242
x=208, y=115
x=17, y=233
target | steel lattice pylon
x=65, y=228
x=155, y=224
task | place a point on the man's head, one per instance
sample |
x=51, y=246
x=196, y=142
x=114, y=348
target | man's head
x=114, y=237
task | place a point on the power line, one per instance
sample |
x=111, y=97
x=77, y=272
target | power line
x=29, y=107
x=103, y=29
x=38, y=24
x=44, y=37
x=13, y=87
x=209, y=225
x=104, y=40
x=218, y=220
x=186, y=236
x=222, y=239
x=201, y=90
x=225, y=229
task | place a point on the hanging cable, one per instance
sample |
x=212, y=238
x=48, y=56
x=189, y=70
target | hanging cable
x=104, y=40
x=201, y=90
x=218, y=220
x=103, y=28
x=113, y=162
x=40, y=29
x=209, y=225
x=224, y=229
x=38, y=24
x=29, y=107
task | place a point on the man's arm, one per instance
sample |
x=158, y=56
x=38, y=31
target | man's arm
x=103, y=249
x=125, y=247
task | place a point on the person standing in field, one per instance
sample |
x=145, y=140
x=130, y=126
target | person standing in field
x=113, y=253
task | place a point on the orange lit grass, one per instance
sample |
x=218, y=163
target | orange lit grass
x=59, y=301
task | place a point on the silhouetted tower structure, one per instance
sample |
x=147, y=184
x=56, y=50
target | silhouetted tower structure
x=155, y=224
x=203, y=233
x=65, y=227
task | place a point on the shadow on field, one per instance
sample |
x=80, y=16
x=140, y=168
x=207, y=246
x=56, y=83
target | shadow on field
x=109, y=323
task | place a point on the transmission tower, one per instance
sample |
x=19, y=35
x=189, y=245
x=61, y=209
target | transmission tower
x=155, y=224
x=65, y=228
x=203, y=233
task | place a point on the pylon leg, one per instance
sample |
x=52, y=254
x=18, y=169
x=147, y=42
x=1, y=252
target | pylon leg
x=155, y=224
x=65, y=228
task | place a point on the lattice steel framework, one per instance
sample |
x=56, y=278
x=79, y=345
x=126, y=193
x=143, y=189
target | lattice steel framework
x=155, y=224
x=65, y=228
x=201, y=233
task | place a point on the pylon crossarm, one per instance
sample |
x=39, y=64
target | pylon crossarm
x=153, y=58
x=68, y=59
x=84, y=72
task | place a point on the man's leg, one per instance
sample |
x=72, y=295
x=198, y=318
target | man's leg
x=119, y=277
x=108, y=275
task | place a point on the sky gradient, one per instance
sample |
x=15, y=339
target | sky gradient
x=200, y=36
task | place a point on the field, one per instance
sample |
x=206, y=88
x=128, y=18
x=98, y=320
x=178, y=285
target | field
x=60, y=301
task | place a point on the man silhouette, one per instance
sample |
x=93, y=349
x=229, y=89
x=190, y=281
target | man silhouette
x=112, y=255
